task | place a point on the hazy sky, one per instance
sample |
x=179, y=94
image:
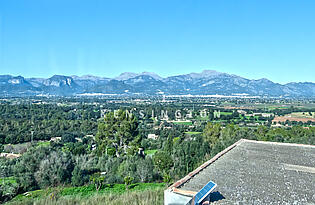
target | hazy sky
x=273, y=39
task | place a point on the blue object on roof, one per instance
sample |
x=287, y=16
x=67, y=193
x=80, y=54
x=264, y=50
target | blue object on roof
x=204, y=192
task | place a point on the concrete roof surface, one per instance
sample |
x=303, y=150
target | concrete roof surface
x=260, y=173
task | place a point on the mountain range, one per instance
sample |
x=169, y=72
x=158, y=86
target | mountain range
x=208, y=82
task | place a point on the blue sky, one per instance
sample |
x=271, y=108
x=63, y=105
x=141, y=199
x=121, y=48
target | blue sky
x=272, y=38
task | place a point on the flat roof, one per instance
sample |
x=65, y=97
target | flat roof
x=255, y=172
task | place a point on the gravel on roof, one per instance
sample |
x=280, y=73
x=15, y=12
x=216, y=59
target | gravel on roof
x=260, y=173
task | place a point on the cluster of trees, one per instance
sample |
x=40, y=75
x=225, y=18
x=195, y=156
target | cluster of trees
x=220, y=137
x=42, y=167
x=26, y=122
x=49, y=166
x=293, y=123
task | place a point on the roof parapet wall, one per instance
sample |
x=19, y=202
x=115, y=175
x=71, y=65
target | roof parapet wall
x=203, y=166
x=220, y=154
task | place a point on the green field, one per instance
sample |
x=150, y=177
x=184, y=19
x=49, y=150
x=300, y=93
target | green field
x=150, y=151
x=202, y=118
x=8, y=180
x=303, y=114
x=192, y=133
x=226, y=113
x=43, y=143
x=139, y=192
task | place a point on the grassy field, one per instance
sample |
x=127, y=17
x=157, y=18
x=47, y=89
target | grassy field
x=302, y=114
x=150, y=152
x=140, y=193
x=152, y=197
x=43, y=143
x=192, y=133
x=202, y=118
x=226, y=113
x=8, y=180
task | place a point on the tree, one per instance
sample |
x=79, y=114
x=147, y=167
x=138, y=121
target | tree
x=98, y=180
x=27, y=165
x=145, y=169
x=167, y=179
x=168, y=144
x=79, y=176
x=128, y=180
x=212, y=133
x=54, y=170
x=117, y=131
x=67, y=138
x=7, y=191
x=2, y=138
x=163, y=161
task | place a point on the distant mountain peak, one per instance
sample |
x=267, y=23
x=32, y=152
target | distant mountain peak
x=153, y=75
x=88, y=77
x=59, y=81
x=264, y=80
x=129, y=75
x=126, y=76
x=204, y=74
x=17, y=80
x=210, y=72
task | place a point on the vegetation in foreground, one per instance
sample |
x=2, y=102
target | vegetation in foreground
x=137, y=197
